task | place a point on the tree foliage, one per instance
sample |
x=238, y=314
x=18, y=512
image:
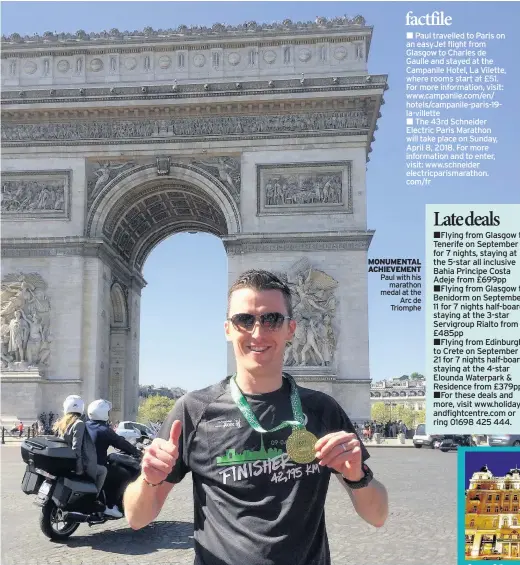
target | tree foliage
x=151, y=390
x=416, y=376
x=155, y=408
x=382, y=413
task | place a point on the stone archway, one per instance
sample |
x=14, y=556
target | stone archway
x=258, y=134
x=133, y=213
x=140, y=207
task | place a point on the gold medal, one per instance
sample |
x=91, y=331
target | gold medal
x=300, y=446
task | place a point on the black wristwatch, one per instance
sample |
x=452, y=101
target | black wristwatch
x=364, y=481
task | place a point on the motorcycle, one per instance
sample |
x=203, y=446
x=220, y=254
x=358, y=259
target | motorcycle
x=453, y=442
x=67, y=499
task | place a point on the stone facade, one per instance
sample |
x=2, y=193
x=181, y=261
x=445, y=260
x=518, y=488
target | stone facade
x=257, y=134
x=397, y=392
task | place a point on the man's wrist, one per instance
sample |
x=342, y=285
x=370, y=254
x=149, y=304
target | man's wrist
x=353, y=477
x=359, y=481
x=148, y=483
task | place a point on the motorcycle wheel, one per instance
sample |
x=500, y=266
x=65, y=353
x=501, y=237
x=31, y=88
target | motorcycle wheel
x=50, y=524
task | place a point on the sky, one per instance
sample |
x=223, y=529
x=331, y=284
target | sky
x=187, y=274
x=498, y=462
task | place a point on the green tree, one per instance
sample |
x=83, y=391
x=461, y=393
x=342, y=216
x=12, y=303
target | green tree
x=420, y=417
x=380, y=412
x=416, y=376
x=154, y=409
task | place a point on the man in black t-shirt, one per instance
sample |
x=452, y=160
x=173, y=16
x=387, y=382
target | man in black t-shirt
x=260, y=473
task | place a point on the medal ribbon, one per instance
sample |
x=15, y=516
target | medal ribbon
x=299, y=419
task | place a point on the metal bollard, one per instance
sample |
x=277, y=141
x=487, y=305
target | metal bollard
x=3, y=435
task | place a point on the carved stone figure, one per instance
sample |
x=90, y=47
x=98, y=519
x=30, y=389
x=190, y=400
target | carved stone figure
x=303, y=188
x=79, y=65
x=147, y=64
x=310, y=343
x=46, y=67
x=5, y=337
x=100, y=177
x=33, y=195
x=35, y=338
x=12, y=68
x=18, y=335
x=314, y=307
x=228, y=169
x=25, y=321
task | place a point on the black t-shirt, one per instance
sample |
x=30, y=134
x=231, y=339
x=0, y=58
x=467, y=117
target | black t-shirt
x=252, y=503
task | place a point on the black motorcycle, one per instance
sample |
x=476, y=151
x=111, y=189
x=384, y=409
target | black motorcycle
x=66, y=499
x=453, y=442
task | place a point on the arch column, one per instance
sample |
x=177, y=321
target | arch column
x=119, y=331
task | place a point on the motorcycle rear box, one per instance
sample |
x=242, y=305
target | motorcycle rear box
x=49, y=453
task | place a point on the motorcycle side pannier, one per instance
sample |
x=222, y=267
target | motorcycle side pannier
x=49, y=453
x=69, y=492
x=31, y=481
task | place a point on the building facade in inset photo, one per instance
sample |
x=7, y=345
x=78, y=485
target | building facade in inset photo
x=492, y=527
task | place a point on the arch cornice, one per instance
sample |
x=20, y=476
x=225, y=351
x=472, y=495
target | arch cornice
x=130, y=180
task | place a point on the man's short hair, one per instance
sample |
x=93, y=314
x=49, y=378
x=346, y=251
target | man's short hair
x=260, y=280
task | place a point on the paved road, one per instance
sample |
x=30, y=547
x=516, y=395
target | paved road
x=420, y=530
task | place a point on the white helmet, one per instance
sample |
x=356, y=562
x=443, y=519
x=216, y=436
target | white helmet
x=99, y=409
x=73, y=403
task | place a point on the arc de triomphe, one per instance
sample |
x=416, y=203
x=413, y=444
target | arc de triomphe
x=258, y=134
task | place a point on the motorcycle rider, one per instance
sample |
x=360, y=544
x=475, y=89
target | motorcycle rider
x=104, y=437
x=72, y=429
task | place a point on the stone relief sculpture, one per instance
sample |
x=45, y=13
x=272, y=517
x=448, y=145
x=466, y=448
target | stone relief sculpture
x=25, y=318
x=204, y=126
x=314, y=307
x=304, y=188
x=104, y=173
x=228, y=169
x=26, y=195
x=79, y=65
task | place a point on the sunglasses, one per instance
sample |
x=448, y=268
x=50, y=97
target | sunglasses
x=271, y=321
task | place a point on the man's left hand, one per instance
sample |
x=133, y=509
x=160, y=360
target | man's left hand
x=341, y=451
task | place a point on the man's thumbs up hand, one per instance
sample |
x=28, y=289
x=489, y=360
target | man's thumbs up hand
x=160, y=457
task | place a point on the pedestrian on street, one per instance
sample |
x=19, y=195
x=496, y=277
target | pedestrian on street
x=20, y=429
x=261, y=449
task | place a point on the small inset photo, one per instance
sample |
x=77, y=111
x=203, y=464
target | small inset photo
x=488, y=504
